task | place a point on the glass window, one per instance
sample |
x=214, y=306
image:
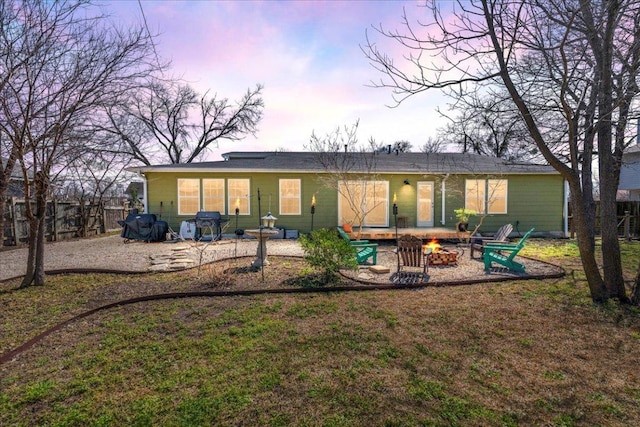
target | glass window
x=491, y=193
x=238, y=190
x=364, y=201
x=188, y=196
x=497, y=197
x=290, y=197
x=213, y=195
x=474, y=195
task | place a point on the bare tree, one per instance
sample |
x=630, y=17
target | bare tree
x=570, y=68
x=433, y=145
x=91, y=174
x=351, y=170
x=171, y=122
x=490, y=125
x=397, y=147
x=76, y=64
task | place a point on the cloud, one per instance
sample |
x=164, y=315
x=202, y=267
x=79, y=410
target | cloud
x=306, y=53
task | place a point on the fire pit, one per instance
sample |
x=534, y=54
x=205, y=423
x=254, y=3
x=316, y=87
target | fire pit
x=440, y=255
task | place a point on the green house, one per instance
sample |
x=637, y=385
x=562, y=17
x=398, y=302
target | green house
x=360, y=189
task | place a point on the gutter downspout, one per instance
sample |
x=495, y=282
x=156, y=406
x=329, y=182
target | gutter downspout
x=443, y=192
x=144, y=192
x=566, y=209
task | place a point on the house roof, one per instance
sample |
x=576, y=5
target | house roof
x=408, y=163
x=16, y=173
x=632, y=149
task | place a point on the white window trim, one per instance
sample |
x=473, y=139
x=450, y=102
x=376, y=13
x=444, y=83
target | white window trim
x=224, y=195
x=281, y=197
x=487, y=195
x=386, y=207
x=506, y=195
x=180, y=212
x=247, y=197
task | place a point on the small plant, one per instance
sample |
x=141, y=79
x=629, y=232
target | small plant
x=326, y=250
x=464, y=214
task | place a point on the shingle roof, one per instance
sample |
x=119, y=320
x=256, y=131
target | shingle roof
x=411, y=163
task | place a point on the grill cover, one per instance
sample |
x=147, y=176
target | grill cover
x=144, y=227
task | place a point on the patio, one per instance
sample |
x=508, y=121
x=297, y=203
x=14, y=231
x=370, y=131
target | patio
x=110, y=253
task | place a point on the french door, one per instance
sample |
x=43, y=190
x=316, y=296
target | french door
x=425, y=204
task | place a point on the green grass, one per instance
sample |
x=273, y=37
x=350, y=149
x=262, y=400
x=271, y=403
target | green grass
x=504, y=354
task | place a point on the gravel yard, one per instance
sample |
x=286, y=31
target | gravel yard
x=112, y=253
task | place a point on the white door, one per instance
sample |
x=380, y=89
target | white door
x=425, y=204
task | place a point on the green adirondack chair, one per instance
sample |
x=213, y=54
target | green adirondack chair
x=504, y=254
x=364, y=249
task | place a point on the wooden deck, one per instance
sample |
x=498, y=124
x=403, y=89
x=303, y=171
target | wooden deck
x=425, y=233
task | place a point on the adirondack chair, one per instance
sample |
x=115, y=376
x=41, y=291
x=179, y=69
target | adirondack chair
x=412, y=262
x=504, y=254
x=346, y=237
x=364, y=249
x=478, y=243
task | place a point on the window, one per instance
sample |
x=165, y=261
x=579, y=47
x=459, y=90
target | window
x=290, y=197
x=239, y=195
x=368, y=199
x=213, y=195
x=488, y=196
x=497, y=200
x=474, y=195
x=188, y=196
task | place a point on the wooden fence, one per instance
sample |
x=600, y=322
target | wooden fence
x=628, y=220
x=64, y=220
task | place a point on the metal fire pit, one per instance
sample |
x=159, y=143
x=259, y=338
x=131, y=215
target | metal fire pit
x=209, y=219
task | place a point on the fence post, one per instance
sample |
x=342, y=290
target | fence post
x=55, y=220
x=627, y=225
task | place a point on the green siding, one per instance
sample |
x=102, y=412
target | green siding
x=533, y=200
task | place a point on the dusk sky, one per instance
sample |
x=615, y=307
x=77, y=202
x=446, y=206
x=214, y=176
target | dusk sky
x=306, y=54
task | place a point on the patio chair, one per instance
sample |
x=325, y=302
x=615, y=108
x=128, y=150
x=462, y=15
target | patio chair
x=413, y=264
x=346, y=237
x=501, y=236
x=364, y=249
x=504, y=254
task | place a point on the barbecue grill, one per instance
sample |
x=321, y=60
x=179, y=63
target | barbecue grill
x=212, y=220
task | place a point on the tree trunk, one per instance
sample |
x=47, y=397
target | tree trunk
x=29, y=276
x=584, y=220
x=3, y=207
x=611, y=258
x=35, y=259
x=39, y=278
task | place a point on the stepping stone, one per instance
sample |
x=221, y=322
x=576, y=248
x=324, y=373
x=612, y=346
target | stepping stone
x=158, y=267
x=379, y=269
x=178, y=266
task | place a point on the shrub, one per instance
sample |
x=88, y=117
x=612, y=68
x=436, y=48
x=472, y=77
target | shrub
x=326, y=250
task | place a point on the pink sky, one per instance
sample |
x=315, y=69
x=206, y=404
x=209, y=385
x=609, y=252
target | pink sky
x=305, y=53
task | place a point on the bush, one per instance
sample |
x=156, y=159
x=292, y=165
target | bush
x=326, y=250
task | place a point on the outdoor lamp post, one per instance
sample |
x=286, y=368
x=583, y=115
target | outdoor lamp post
x=313, y=209
x=269, y=221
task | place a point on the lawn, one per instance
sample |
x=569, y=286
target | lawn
x=496, y=354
